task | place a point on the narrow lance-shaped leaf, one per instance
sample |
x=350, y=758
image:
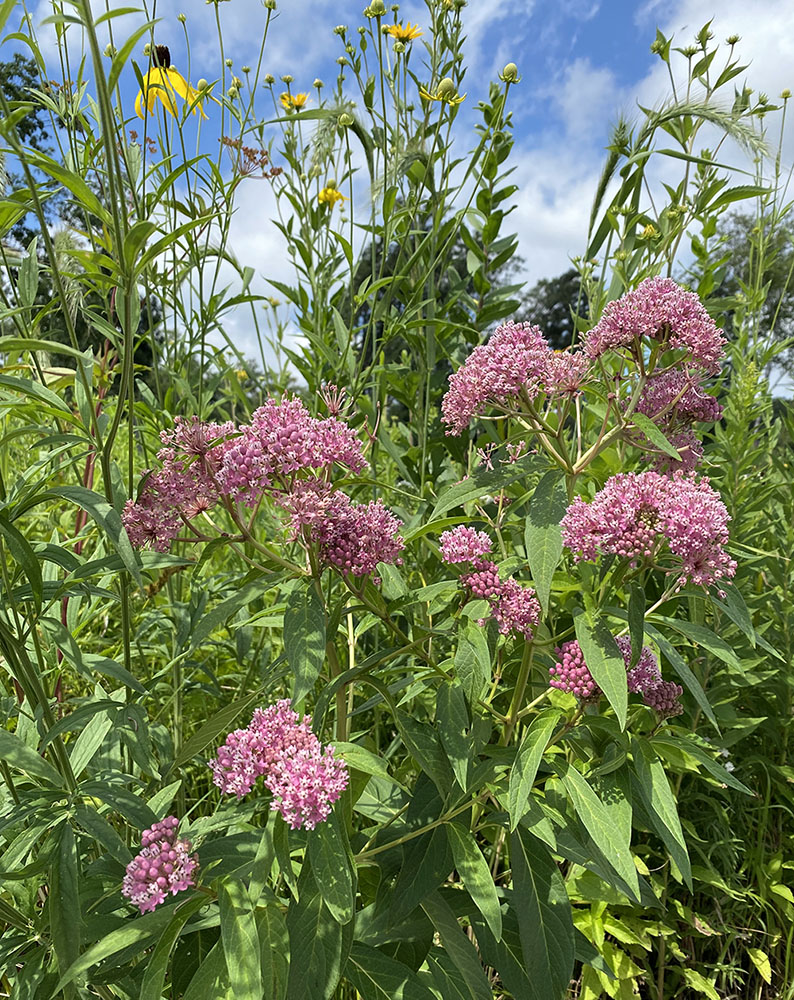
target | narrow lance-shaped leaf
x=604, y=660
x=544, y=916
x=304, y=639
x=476, y=875
x=660, y=802
x=543, y=535
x=240, y=940
x=525, y=766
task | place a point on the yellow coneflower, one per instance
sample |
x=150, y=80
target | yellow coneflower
x=165, y=82
x=294, y=102
x=446, y=92
x=330, y=195
x=404, y=32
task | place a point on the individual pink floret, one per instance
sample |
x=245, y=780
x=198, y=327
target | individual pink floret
x=463, y=544
x=636, y=513
x=663, y=311
x=513, y=361
x=163, y=865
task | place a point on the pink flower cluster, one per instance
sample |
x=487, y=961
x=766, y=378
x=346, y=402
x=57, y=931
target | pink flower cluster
x=164, y=864
x=281, y=440
x=675, y=399
x=635, y=514
x=183, y=487
x=464, y=544
x=663, y=311
x=514, y=607
x=517, y=359
x=304, y=779
x=645, y=678
x=571, y=673
x=351, y=537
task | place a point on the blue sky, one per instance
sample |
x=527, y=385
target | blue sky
x=581, y=61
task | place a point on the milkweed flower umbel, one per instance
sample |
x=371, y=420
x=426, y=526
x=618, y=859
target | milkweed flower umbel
x=163, y=865
x=464, y=544
x=636, y=515
x=304, y=778
x=662, y=311
x=164, y=82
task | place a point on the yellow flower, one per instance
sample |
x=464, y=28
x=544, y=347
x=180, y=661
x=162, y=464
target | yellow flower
x=446, y=92
x=329, y=195
x=294, y=102
x=404, y=33
x=165, y=82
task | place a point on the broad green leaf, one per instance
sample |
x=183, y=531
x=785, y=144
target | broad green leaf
x=459, y=963
x=595, y=817
x=64, y=899
x=698, y=982
x=528, y=758
x=714, y=768
x=423, y=744
x=222, y=612
x=221, y=722
x=331, y=865
x=315, y=943
x=544, y=916
x=211, y=979
x=604, y=660
x=760, y=960
x=240, y=940
x=476, y=875
x=543, y=535
x=378, y=977
x=141, y=932
x=89, y=741
x=157, y=964
x=484, y=482
x=304, y=638
x=427, y=863
x=14, y=752
x=452, y=720
x=473, y=660
x=661, y=805
x=274, y=950
x=360, y=759
x=505, y=955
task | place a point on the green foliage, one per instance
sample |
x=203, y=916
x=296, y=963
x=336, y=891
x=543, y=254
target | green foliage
x=498, y=837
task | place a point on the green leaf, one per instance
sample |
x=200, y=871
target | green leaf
x=636, y=622
x=427, y=862
x=473, y=660
x=714, y=768
x=703, y=636
x=223, y=611
x=525, y=766
x=315, y=943
x=682, y=668
x=595, y=817
x=460, y=972
x=64, y=899
x=304, y=639
x=14, y=752
x=452, y=720
x=604, y=661
x=661, y=805
x=543, y=535
x=274, y=950
x=760, y=960
x=140, y=931
x=476, y=875
x=108, y=520
x=157, y=964
x=24, y=555
x=698, y=982
x=240, y=940
x=544, y=914
x=654, y=435
x=378, y=977
x=328, y=852
x=484, y=482
x=423, y=745
x=210, y=980
x=219, y=723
